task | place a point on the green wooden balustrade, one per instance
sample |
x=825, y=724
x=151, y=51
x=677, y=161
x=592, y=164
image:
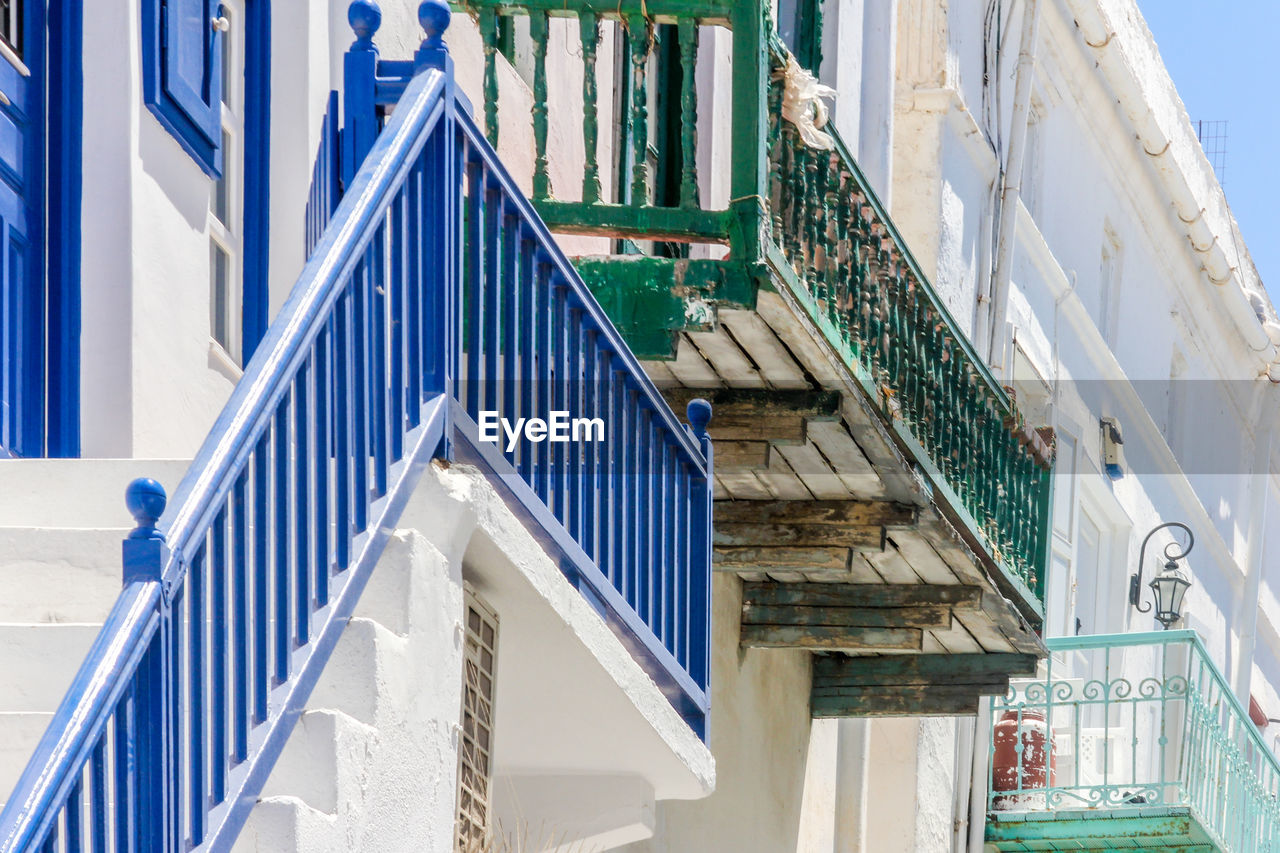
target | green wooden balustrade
x=633, y=204
x=1145, y=729
x=807, y=216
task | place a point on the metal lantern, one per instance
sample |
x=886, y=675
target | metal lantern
x=1168, y=588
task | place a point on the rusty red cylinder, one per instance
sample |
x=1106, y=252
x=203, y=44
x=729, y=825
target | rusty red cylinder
x=1037, y=759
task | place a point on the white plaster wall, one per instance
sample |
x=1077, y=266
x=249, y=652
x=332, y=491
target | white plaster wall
x=584, y=742
x=760, y=738
x=1094, y=177
x=151, y=384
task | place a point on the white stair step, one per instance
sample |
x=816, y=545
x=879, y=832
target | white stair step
x=364, y=672
x=19, y=734
x=59, y=575
x=326, y=753
x=279, y=824
x=38, y=662
x=76, y=492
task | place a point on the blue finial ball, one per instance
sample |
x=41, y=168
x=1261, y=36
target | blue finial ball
x=699, y=414
x=146, y=500
x=364, y=16
x=434, y=16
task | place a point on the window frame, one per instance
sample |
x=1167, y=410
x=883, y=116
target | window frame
x=226, y=232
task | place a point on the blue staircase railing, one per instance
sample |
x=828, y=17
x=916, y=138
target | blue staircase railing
x=433, y=273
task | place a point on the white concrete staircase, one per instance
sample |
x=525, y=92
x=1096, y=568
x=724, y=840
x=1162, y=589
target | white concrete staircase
x=61, y=525
x=371, y=765
x=385, y=708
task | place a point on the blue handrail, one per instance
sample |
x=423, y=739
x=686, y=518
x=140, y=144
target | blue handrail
x=232, y=607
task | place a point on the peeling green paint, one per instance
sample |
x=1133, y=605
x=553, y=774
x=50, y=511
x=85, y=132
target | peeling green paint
x=651, y=300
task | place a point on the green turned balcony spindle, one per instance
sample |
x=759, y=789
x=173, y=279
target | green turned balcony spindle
x=777, y=157
x=589, y=24
x=816, y=219
x=489, y=34
x=687, y=31
x=539, y=29
x=640, y=35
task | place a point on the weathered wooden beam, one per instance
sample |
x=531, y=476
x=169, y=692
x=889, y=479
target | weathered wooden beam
x=743, y=414
x=861, y=525
x=920, y=616
x=860, y=594
x=742, y=454
x=752, y=559
x=910, y=701
x=860, y=537
x=840, y=513
x=833, y=671
x=832, y=638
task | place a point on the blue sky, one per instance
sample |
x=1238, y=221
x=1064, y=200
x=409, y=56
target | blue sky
x=1224, y=59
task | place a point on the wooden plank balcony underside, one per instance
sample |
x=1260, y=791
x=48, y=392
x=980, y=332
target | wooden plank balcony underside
x=850, y=617
x=907, y=685
x=810, y=490
x=757, y=364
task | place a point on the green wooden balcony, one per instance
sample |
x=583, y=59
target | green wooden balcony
x=742, y=265
x=1150, y=750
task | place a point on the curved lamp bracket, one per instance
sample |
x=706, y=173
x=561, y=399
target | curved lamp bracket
x=1171, y=554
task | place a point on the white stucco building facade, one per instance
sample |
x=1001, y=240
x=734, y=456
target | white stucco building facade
x=1040, y=168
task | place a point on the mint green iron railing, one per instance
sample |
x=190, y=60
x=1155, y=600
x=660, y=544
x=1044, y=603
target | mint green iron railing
x=1138, y=721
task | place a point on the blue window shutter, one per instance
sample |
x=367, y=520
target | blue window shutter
x=191, y=78
x=182, y=66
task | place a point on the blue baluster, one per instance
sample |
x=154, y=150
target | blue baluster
x=218, y=655
x=261, y=556
x=396, y=286
x=474, y=286
x=280, y=494
x=240, y=615
x=302, y=501
x=590, y=409
x=321, y=452
x=379, y=395
x=414, y=284
x=126, y=774
x=98, y=795
x=508, y=304
x=699, y=414
x=195, y=705
x=75, y=817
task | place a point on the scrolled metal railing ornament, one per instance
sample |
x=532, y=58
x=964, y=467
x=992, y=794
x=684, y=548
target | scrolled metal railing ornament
x=1150, y=722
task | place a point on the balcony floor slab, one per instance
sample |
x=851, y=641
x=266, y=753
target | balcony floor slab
x=1170, y=828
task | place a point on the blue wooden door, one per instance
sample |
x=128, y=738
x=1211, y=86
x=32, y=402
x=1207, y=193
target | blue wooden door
x=23, y=303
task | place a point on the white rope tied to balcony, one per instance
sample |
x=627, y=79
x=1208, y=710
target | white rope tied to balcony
x=802, y=105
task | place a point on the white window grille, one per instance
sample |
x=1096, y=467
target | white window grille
x=475, y=749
